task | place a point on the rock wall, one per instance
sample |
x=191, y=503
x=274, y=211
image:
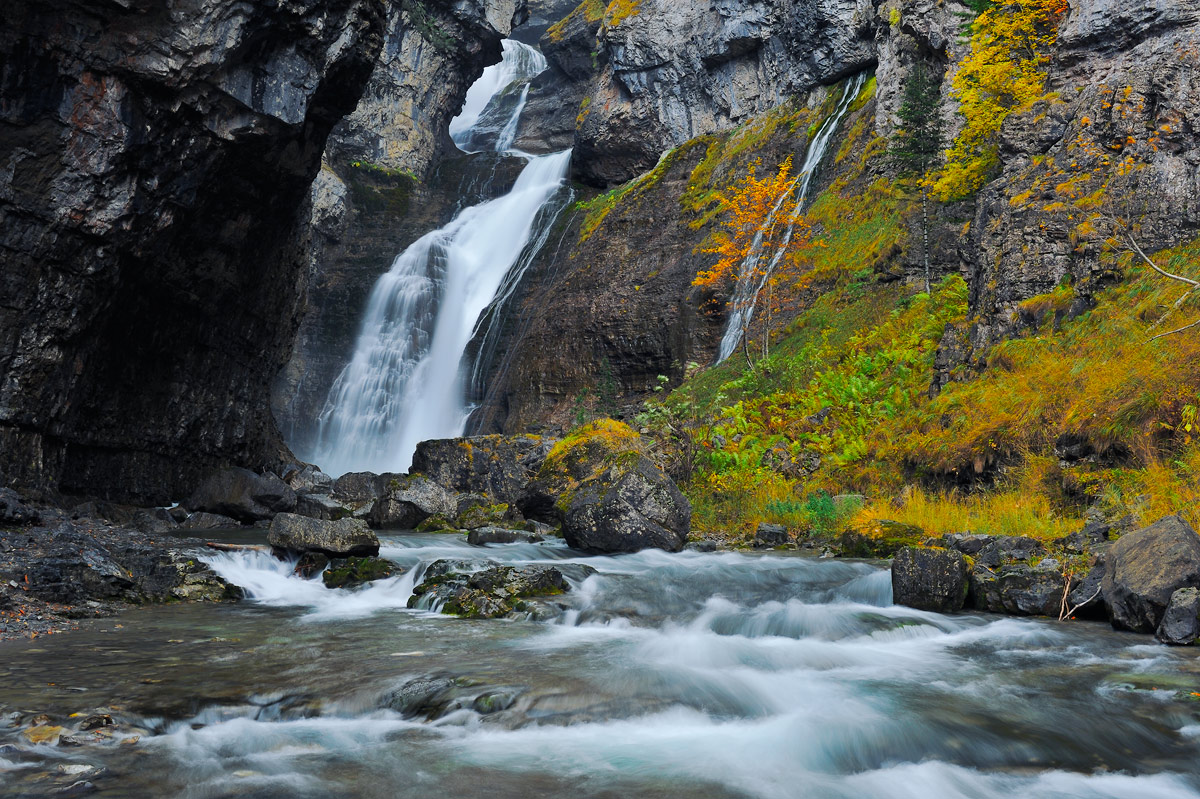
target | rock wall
x=663, y=72
x=153, y=205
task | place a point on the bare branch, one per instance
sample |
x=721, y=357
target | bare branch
x=1176, y=330
x=1133, y=243
x=1068, y=613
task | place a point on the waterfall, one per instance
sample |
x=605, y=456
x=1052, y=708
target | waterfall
x=406, y=380
x=750, y=282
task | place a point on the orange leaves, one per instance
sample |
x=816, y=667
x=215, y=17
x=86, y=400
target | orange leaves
x=758, y=214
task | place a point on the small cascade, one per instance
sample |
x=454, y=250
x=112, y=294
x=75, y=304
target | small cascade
x=750, y=280
x=406, y=381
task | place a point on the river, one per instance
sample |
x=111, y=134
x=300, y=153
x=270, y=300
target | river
x=661, y=675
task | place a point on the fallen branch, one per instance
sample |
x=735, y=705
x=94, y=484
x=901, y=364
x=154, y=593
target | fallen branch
x=237, y=547
x=1068, y=613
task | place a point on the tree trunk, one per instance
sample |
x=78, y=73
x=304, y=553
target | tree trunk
x=925, y=236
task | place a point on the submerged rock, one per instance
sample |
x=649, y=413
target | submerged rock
x=930, y=579
x=1145, y=568
x=243, y=495
x=335, y=539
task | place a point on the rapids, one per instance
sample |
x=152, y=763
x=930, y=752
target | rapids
x=664, y=675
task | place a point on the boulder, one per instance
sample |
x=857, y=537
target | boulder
x=632, y=505
x=485, y=515
x=321, y=506
x=771, y=535
x=406, y=501
x=1145, y=568
x=966, y=543
x=1180, y=625
x=13, y=509
x=154, y=520
x=243, y=495
x=489, y=593
x=308, y=479
x=930, y=579
x=356, y=488
x=482, y=536
x=335, y=539
x=1003, y=549
x=498, y=466
x=1018, y=589
x=353, y=572
x=208, y=521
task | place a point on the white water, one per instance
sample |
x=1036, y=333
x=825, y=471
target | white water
x=751, y=279
x=720, y=676
x=406, y=380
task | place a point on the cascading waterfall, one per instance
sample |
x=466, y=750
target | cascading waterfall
x=405, y=382
x=750, y=279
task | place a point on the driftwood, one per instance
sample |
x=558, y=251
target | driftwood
x=238, y=547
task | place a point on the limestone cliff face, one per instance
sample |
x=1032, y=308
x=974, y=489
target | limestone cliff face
x=668, y=71
x=154, y=193
x=1124, y=72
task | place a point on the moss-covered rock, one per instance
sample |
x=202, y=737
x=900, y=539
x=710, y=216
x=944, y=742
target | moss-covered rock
x=353, y=572
x=493, y=592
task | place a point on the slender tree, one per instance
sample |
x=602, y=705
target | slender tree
x=917, y=142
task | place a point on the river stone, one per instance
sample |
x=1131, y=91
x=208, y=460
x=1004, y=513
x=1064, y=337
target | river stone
x=422, y=696
x=1018, y=589
x=1004, y=549
x=406, y=501
x=154, y=520
x=1180, y=624
x=487, y=593
x=308, y=480
x=929, y=579
x=336, y=539
x=629, y=507
x=208, y=521
x=243, y=495
x=321, y=506
x=481, y=536
x=771, y=535
x=353, y=572
x=1145, y=568
x=498, y=466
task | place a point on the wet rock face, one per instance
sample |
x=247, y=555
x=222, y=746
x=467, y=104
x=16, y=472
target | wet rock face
x=629, y=507
x=671, y=71
x=497, y=466
x=153, y=215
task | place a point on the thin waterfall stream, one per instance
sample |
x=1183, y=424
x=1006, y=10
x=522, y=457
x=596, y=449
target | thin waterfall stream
x=751, y=279
x=407, y=380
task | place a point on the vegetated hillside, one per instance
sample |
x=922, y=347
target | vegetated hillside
x=1038, y=380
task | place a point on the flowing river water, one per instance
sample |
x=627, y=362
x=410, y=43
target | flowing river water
x=660, y=675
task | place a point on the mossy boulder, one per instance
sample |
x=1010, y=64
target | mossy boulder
x=883, y=538
x=497, y=466
x=488, y=593
x=353, y=572
x=485, y=515
x=608, y=495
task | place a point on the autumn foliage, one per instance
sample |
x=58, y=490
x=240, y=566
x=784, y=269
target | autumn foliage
x=1004, y=71
x=761, y=221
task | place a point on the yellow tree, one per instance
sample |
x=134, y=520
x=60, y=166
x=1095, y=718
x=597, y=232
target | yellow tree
x=1003, y=71
x=760, y=223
